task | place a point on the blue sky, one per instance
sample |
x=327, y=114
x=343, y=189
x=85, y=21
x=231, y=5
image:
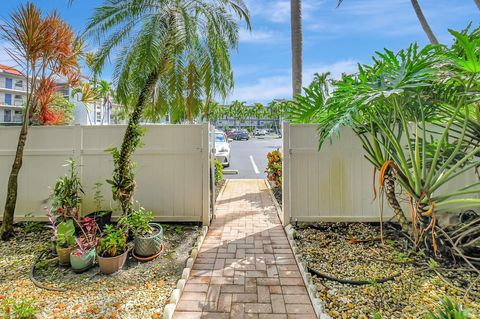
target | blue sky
x=334, y=39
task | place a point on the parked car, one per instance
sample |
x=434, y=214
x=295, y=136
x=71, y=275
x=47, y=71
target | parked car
x=241, y=135
x=229, y=133
x=260, y=132
x=222, y=148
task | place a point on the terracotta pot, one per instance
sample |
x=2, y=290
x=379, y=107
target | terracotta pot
x=83, y=262
x=149, y=245
x=109, y=265
x=64, y=255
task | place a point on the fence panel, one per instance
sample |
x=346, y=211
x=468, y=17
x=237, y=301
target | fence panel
x=170, y=174
x=334, y=184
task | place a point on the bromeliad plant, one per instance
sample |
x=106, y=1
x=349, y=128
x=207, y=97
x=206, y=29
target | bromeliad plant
x=412, y=111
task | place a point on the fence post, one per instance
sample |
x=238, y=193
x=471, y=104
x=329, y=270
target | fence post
x=205, y=174
x=286, y=203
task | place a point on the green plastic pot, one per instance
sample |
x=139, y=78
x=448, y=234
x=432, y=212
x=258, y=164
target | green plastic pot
x=83, y=262
x=149, y=245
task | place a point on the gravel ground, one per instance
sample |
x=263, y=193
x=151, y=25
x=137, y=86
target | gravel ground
x=347, y=251
x=140, y=290
x=277, y=192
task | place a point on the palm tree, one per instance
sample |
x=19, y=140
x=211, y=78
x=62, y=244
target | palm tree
x=296, y=33
x=45, y=48
x=163, y=46
x=423, y=22
x=105, y=93
x=421, y=18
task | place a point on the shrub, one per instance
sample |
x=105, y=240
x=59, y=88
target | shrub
x=274, y=167
x=138, y=222
x=113, y=243
x=21, y=309
x=218, y=172
x=447, y=309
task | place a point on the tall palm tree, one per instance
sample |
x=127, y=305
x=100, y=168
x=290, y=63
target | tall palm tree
x=163, y=45
x=296, y=33
x=421, y=18
x=423, y=22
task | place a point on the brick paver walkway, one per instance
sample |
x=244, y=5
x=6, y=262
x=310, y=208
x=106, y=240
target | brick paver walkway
x=245, y=268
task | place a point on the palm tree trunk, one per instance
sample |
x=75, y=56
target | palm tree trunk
x=393, y=202
x=477, y=2
x=296, y=29
x=6, y=231
x=423, y=22
x=126, y=187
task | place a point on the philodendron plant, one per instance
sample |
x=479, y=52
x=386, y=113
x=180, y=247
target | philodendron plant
x=416, y=113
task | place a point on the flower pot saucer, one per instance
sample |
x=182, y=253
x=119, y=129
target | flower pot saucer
x=148, y=258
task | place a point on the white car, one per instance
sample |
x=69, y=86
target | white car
x=260, y=132
x=222, y=148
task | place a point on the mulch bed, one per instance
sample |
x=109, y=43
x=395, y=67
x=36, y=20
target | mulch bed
x=353, y=251
x=139, y=290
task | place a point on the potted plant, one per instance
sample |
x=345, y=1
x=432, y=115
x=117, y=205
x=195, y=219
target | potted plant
x=83, y=256
x=112, y=249
x=65, y=241
x=147, y=236
x=67, y=194
x=102, y=217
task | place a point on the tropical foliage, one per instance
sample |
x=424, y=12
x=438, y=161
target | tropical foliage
x=416, y=114
x=45, y=48
x=274, y=167
x=173, y=55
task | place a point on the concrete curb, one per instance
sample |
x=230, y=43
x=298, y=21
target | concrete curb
x=177, y=292
x=318, y=304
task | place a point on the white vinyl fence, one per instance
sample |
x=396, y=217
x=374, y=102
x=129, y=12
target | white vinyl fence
x=172, y=172
x=334, y=184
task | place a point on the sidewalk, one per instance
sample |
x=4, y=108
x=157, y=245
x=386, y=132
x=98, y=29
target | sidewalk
x=245, y=268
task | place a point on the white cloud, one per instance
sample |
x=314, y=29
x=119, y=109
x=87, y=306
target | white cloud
x=260, y=36
x=280, y=86
x=279, y=11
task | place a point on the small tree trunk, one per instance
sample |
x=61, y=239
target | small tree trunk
x=393, y=202
x=6, y=231
x=423, y=22
x=477, y=2
x=126, y=186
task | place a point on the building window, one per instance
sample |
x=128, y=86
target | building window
x=8, y=99
x=7, y=115
x=17, y=117
x=8, y=83
x=19, y=84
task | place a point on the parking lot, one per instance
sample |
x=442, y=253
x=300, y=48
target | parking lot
x=249, y=158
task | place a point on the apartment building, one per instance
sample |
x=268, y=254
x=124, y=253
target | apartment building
x=13, y=95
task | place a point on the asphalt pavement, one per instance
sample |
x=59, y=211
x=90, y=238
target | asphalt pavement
x=249, y=158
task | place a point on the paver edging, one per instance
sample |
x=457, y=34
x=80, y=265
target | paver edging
x=222, y=189
x=317, y=303
x=177, y=292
